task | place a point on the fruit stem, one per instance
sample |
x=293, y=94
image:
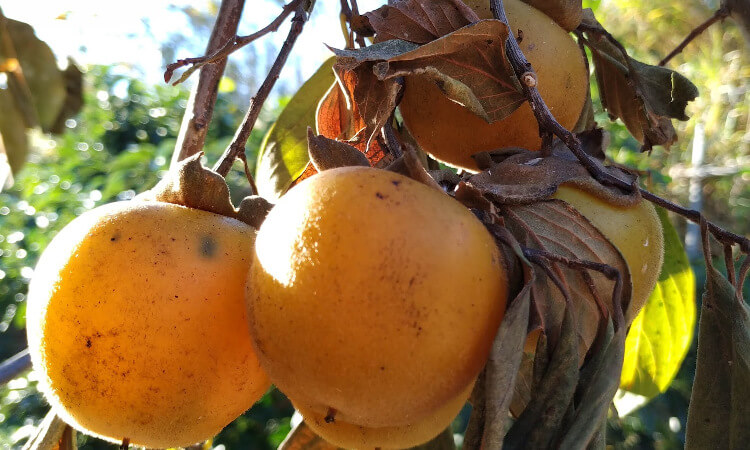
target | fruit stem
x=547, y=123
x=239, y=141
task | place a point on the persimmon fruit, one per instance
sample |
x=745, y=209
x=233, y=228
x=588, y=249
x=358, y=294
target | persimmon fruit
x=137, y=323
x=348, y=435
x=635, y=231
x=451, y=133
x=373, y=295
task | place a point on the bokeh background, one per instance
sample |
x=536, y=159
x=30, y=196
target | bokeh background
x=121, y=143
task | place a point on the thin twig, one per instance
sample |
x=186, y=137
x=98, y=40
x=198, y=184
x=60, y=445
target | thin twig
x=522, y=69
x=692, y=215
x=200, y=107
x=47, y=434
x=721, y=14
x=580, y=264
x=744, y=269
x=232, y=45
x=355, y=14
x=529, y=82
x=729, y=263
x=346, y=24
x=237, y=145
x=15, y=366
x=248, y=175
x=391, y=140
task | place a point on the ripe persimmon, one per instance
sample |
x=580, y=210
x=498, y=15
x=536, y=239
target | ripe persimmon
x=635, y=231
x=452, y=133
x=137, y=324
x=348, y=435
x=373, y=295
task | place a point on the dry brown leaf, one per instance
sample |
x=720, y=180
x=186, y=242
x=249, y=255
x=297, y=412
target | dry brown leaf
x=556, y=227
x=522, y=176
x=468, y=65
x=645, y=97
x=326, y=153
x=419, y=21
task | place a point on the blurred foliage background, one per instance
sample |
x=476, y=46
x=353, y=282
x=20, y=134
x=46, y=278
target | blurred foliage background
x=121, y=143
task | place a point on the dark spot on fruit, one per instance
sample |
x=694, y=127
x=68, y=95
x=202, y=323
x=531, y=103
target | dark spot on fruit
x=382, y=367
x=208, y=246
x=396, y=182
x=88, y=342
x=115, y=237
x=330, y=415
x=379, y=195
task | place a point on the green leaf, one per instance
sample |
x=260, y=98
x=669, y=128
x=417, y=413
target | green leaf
x=660, y=335
x=283, y=154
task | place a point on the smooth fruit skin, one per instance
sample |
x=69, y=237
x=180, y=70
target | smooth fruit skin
x=137, y=323
x=635, y=231
x=349, y=435
x=374, y=295
x=451, y=133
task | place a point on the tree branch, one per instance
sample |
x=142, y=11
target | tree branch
x=719, y=15
x=232, y=44
x=200, y=107
x=237, y=146
x=14, y=366
x=547, y=123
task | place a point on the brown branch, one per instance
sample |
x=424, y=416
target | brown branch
x=200, y=107
x=47, y=434
x=345, y=19
x=547, y=123
x=719, y=233
x=522, y=68
x=231, y=45
x=721, y=14
x=237, y=145
x=14, y=366
x=355, y=17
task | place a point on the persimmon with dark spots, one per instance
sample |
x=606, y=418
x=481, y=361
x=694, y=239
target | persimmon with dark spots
x=137, y=323
x=360, y=293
